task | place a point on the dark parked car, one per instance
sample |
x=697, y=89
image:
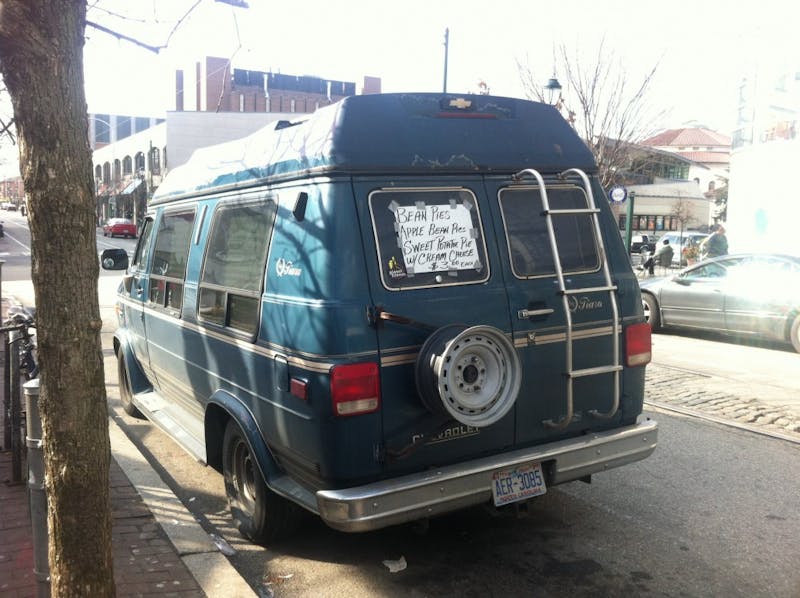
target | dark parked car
x=119, y=227
x=643, y=243
x=751, y=294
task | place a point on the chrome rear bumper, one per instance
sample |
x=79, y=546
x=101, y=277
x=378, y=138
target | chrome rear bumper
x=439, y=491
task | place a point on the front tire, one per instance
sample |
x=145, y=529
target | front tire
x=259, y=514
x=651, y=313
x=125, y=393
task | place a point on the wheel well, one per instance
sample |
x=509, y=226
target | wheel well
x=215, y=421
x=649, y=294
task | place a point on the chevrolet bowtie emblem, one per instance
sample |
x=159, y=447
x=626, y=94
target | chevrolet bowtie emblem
x=460, y=103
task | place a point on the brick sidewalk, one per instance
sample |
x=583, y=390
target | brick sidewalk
x=145, y=561
x=718, y=397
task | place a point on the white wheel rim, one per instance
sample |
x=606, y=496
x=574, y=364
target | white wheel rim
x=478, y=376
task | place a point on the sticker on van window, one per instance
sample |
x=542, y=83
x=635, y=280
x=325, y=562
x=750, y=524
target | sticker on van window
x=395, y=269
x=436, y=237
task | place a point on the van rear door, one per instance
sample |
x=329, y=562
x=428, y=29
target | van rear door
x=546, y=406
x=434, y=291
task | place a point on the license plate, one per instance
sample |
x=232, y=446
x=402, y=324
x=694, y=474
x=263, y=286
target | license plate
x=517, y=483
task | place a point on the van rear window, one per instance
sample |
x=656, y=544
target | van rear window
x=527, y=237
x=428, y=237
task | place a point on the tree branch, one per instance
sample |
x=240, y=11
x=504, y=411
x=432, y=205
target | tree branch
x=123, y=37
x=151, y=48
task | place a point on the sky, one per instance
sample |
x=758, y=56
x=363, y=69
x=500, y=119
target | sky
x=702, y=48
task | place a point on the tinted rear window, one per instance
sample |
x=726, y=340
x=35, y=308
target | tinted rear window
x=527, y=237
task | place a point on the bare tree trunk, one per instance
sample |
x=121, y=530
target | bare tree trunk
x=41, y=59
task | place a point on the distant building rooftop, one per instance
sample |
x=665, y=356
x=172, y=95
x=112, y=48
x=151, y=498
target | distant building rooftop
x=692, y=137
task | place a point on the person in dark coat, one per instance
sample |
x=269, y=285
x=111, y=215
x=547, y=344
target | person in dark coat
x=662, y=257
x=715, y=244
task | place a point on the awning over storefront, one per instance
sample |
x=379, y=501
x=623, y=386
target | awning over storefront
x=132, y=186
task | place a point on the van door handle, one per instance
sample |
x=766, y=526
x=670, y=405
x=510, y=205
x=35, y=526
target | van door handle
x=524, y=314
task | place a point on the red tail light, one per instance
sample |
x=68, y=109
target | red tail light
x=355, y=389
x=638, y=346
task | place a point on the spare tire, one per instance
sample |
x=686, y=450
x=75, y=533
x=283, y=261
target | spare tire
x=471, y=374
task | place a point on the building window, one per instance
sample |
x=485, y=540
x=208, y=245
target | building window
x=127, y=165
x=142, y=123
x=292, y=105
x=155, y=161
x=102, y=128
x=123, y=127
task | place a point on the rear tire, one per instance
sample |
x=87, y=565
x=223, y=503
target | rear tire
x=651, y=313
x=259, y=514
x=794, y=333
x=125, y=393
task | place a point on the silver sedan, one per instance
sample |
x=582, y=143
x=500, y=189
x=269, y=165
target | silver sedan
x=747, y=294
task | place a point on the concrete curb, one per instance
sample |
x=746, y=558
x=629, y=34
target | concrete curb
x=213, y=572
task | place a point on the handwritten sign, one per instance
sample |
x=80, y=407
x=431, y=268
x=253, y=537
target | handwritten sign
x=436, y=237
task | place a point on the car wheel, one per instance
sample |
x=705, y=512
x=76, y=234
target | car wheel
x=125, y=393
x=651, y=313
x=260, y=515
x=471, y=374
x=794, y=334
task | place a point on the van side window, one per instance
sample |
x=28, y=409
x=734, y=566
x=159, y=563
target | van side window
x=233, y=271
x=428, y=237
x=527, y=237
x=142, y=253
x=170, y=255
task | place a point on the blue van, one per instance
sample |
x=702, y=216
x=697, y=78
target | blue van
x=404, y=305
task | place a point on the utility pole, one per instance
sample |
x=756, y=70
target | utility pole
x=446, y=47
x=629, y=221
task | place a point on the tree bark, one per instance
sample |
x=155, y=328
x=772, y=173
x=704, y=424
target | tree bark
x=41, y=60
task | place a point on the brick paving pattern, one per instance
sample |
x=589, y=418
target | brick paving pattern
x=145, y=561
x=709, y=395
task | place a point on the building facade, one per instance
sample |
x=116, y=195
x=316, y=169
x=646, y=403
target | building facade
x=666, y=193
x=105, y=129
x=213, y=85
x=215, y=103
x=763, y=213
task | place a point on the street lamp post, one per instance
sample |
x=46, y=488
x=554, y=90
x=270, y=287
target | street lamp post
x=552, y=87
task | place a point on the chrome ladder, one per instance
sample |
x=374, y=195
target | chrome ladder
x=615, y=367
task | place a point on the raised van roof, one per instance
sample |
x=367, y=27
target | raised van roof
x=403, y=133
